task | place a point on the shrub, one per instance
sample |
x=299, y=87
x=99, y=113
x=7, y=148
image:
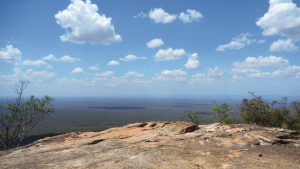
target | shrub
x=258, y=111
x=222, y=112
x=19, y=117
x=192, y=116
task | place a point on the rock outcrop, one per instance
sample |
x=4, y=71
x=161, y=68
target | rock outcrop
x=163, y=145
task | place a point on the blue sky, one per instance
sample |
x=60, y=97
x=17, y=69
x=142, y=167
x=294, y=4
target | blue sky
x=150, y=48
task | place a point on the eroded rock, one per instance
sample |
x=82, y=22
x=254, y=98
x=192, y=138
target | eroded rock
x=162, y=145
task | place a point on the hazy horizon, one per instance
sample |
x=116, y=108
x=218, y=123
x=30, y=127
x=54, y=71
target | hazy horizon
x=89, y=48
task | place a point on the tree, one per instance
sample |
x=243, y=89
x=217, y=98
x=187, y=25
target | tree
x=19, y=117
x=222, y=112
x=192, y=116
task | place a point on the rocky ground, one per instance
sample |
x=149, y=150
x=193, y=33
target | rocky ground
x=163, y=145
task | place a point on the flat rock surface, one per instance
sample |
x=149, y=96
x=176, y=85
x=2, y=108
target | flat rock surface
x=163, y=145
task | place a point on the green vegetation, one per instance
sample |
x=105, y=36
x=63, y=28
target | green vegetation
x=222, y=113
x=257, y=110
x=254, y=111
x=19, y=117
x=193, y=116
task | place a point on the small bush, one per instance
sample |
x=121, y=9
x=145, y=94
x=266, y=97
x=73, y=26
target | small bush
x=257, y=110
x=193, y=116
x=222, y=112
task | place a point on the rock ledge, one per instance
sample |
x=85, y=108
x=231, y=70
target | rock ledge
x=163, y=145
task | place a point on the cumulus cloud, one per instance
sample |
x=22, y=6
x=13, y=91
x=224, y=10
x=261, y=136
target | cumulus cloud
x=193, y=63
x=283, y=45
x=72, y=82
x=32, y=76
x=78, y=70
x=140, y=15
x=117, y=81
x=190, y=16
x=48, y=67
x=113, y=63
x=160, y=16
x=154, y=43
x=261, y=41
x=131, y=58
x=62, y=59
x=244, y=71
x=140, y=82
x=94, y=68
x=286, y=72
x=252, y=62
x=133, y=74
x=50, y=58
x=85, y=24
x=10, y=54
x=177, y=76
x=212, y=76
x=215, y=73
x=169, y=54
x=237, y=42
x=247, y=66
x=34, y=62
x=282, y=18
x=107, y=73
x=69, y=59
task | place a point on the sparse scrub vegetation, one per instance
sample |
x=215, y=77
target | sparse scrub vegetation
x=254, y=111
x=194, y=116
x=279, y=114
x=19, y=117
x=222, y=113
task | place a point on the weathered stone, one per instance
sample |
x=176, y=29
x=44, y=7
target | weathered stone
x=162, y=145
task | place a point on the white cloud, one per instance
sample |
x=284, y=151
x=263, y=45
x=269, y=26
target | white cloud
x=283, y=45
x=34, y=62
x=169, y=54
x=33, y=76
x=261, y=41
x=252, y=62
x=140, y=82
x=133, y=74
x=212, y=76
x=107, y=73
x=190, y=16
x=237, y=42
x=215, y=73
x=51, y=58
x=160, y=16
x=78, y=70
x=62, y=59
x=72, y=82
x=68, y=59
x=117, y=81
x=244, y=71
x=85, y=24
x=140, y=15
x=154, y=43
x=129, y=58
x=288, y=72
x=282, y=18
x=94, y=68
x=49, y=67
x=193, y=63
x=177, y=76
x=10, y=54
x=94, y=80
x=113, y=63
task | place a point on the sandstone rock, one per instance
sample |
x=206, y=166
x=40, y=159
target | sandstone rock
x=162, y=145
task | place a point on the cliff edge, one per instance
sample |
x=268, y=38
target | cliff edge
x=163, y=145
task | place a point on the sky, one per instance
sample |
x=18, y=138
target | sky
x=150, y=48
